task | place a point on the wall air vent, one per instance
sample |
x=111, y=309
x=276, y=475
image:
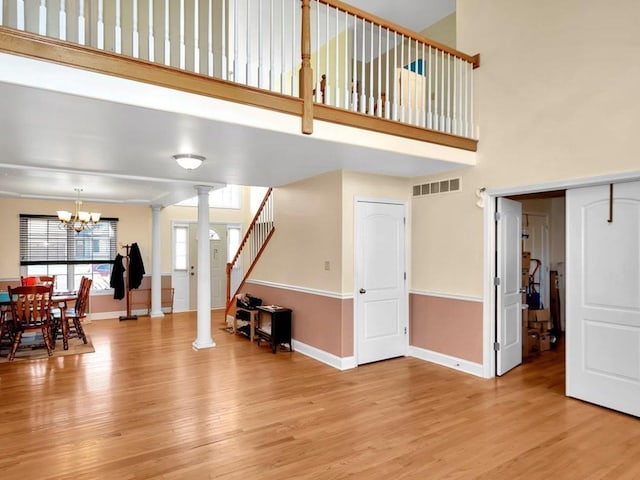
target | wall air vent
x=441, y=186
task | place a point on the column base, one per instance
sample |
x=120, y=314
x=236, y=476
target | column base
x=156, y=314
x=199, y=345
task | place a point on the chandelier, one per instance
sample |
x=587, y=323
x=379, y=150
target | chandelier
x=80, y=220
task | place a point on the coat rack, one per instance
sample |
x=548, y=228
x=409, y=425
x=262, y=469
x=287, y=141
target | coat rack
x=129, y=315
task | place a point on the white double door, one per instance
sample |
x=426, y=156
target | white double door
x=603, y=296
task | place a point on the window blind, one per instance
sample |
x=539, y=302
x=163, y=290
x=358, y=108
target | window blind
x=42, y=242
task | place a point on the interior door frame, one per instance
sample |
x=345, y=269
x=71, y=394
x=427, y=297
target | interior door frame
x=489, y=200
x=407, y=247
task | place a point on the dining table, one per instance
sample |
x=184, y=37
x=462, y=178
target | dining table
x=60, y=300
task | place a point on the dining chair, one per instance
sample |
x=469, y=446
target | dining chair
x=76, y=314
x=28, y=281
x=30, y=311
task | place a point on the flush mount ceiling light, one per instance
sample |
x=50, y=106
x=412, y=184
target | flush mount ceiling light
x=189, y=161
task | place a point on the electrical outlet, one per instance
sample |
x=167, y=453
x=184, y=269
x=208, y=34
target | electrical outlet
x=327, y=265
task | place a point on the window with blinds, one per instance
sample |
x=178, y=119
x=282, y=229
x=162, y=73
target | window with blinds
x=47, y=249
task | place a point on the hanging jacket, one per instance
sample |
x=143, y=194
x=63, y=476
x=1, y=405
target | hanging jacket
x=136, y=267
x=117, y=278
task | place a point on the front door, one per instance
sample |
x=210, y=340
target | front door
x=603, y=296
x=380, y=291
x=508, y=293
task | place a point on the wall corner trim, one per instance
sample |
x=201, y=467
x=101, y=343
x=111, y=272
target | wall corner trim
x=341, y=363
x=447, y=361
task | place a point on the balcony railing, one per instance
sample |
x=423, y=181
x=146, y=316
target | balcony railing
x=326, y=52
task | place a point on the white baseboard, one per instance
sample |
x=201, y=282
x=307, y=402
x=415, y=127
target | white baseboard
x=447, y=361
x=341, y=363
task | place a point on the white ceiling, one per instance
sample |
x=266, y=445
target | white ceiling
x=63, y=128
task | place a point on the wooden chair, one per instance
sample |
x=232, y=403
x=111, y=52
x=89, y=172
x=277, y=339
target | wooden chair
x=30, y=311
x=76, y=314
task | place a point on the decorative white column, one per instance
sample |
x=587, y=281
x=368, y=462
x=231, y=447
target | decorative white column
x=156, y=267
x=204, y=339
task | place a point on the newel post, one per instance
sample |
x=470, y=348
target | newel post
x=306, y=72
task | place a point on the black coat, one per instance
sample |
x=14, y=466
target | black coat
x=117, y=278
x=136, y=267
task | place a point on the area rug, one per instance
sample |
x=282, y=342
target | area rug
x=34, y=349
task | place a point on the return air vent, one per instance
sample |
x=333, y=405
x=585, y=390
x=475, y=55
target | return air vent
x=441, y=186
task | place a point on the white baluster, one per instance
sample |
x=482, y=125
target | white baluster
x=42, y=18
x=223, y=43
x=396, y=79
x=135, y=36
x=423, y=121
x=363, y=96
x=403, y=93
x=151, y=40
x=442, y=126
x=354, y=74
x=196, y=36
x=327, y=78
x=371, y=99
x=248, y=45
x=283, y=76
x=234, y=60
x=336, y=80
x=411, y=100
x=20, y=15
x=1, y=12
x=436, y=118
x=456, y=92
x=378, y=110
x=294, y=42
x=81, y=23
x=183, y=47
x=62, y=21
x=118, y=31
x=100, y=26
x=167, y=41
x=416, y=84
x=346, y=61
x=428, y=80
x=448, y=121
x=260, y=37
x=472, y=128
x=387, y=103
x=210, y=40
x=271, y=72
x=317, y=73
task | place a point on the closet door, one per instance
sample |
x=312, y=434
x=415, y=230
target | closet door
x=603, y=296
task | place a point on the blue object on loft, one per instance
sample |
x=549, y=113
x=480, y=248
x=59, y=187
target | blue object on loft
x=416, y=67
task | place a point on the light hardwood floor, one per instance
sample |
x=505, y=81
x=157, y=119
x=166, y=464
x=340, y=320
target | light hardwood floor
x=146, y=405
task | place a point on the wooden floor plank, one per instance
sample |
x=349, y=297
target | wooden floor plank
x=146, y=405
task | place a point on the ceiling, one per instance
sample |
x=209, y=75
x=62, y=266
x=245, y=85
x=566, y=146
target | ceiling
x=64, y=128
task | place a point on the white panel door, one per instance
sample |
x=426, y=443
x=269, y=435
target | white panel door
x=603, y=296
x=508, y=293
x=381, y=298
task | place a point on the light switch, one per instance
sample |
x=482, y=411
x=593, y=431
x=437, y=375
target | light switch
x=327, y=265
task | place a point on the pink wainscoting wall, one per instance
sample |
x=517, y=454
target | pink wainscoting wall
x=446, y=325
x=319, y=321
x=105, y=303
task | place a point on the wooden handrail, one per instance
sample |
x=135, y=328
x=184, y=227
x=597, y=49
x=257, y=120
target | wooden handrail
x=249, y=270
x=244, y=241
x=473, y=59
x=251, y=227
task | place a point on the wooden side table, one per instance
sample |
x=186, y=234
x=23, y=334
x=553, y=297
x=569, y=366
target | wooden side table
x=278, y=331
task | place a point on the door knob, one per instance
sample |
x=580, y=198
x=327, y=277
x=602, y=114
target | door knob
x=362, y=290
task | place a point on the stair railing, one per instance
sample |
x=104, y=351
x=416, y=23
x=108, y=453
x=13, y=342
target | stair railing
x=253, y=244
